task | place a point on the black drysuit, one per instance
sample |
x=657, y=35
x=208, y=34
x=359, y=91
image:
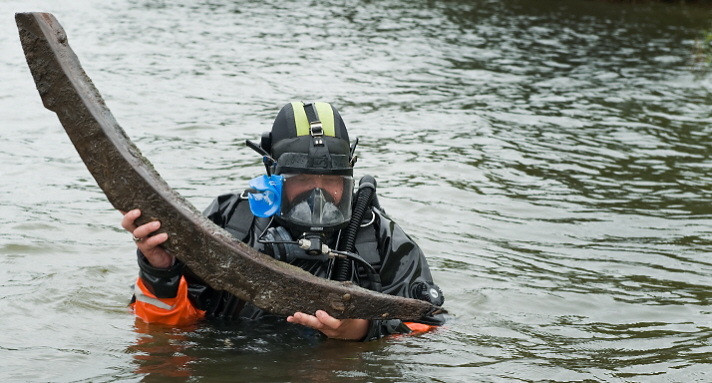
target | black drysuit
x=399, y=261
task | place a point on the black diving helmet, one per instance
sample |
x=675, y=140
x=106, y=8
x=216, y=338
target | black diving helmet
x=313, y=169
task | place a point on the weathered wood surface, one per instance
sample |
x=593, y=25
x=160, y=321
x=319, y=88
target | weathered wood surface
x=129, y=181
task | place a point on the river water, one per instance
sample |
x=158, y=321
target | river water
x=552, y=158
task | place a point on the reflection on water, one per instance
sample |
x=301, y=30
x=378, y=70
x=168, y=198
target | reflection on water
x=160, y=353
x=552, y=159
x=269, y=350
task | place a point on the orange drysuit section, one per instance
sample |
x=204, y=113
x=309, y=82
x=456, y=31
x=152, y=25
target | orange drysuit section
x=170, y=311
x=419, y=327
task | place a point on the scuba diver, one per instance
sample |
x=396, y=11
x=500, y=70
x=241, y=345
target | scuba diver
x=304, y=207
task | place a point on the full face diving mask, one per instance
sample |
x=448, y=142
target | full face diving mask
x=313, y=202
x=308, y=202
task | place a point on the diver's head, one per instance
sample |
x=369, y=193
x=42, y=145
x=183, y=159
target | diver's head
x=311, y=147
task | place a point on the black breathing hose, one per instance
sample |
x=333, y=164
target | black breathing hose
x=366, y=191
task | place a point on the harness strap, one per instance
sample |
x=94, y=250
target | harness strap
x=315, y=128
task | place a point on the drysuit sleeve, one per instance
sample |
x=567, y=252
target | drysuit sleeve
x=161, y=295
x=165, y=295
x=404, y=272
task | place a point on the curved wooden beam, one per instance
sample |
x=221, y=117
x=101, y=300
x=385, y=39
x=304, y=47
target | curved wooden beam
x=130, y=181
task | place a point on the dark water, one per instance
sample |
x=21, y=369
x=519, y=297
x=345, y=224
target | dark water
x=552, y=158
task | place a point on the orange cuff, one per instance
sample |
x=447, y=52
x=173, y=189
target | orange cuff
x=170, y=311
x=419, y=327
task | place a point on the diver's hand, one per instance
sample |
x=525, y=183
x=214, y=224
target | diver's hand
x=149, y=246
x=349, y=329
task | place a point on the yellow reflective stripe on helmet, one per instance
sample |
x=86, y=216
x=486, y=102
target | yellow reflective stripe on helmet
x=300, y=119
x=326, y=116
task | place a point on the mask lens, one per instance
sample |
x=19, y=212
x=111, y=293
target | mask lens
x=316, y=201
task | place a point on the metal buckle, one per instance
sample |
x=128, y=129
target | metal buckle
x=315, y=129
